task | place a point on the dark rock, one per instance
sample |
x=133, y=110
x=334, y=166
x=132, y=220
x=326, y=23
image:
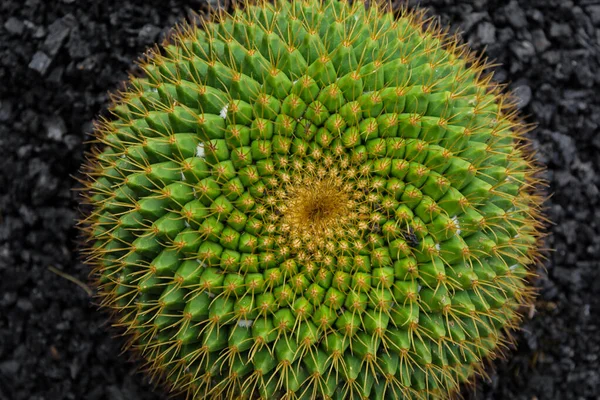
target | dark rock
x=6, y=108
x=72, y=141
x=515, y=15
x=565, y=145
x=536, y=16
x=55, y=128
x=56, y=75
x=24, y=305
x=8, y=299
x=540, y=42
x=594, y=13
x=584, y=22
x=148, y=34
x=114, y=393
x=57, y=33
x=14, y=26
x=523, y=50
x=473, y=19
x=486, y=33
x=89, y=64
x=551, y=57
x=560, y=31
x=585, y=75
x=78, y=48
x=40, y=62
x=523, y=94
x=505, y=35
x=38, y=31
x=9, y=367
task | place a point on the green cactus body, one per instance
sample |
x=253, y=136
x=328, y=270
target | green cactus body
x=313, y=200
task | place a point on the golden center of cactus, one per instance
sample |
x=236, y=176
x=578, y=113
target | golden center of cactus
x=315, y=208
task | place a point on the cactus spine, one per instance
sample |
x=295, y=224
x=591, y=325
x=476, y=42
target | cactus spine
x=313, y=199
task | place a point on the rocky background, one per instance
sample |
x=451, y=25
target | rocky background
x=58, y=60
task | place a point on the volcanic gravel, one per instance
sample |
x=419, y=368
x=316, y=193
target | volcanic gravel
x=58, y=60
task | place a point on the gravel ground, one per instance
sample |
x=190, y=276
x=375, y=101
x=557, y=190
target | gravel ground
x=58, y=59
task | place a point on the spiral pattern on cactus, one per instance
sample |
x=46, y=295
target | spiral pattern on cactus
x=313, y=199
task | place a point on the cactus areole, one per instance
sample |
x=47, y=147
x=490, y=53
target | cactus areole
x=313, y=200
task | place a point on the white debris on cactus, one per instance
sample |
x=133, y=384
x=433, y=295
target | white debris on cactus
x=513, y=267
x=245, y=323
x=457, y=225
x=200, y=150
x=223, y=112
x=437, y=246
x=182, y=176
x=419, y=287
x=211, y=295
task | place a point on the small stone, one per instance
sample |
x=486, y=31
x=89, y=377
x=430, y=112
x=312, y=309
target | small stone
x=523, y=94
x=24, y=304
x=540, y=42
x=147, y=35
x=88, y=64
x=515, y=15
x=78, y=48
x=28, y=215
x=114, y=393
x=560, y=30
x=552, y=57
x=537, y=16
x=486, y=33
x=14, y=26
x=55, y=128
x=56, y=75
x=71, y=141
x=38, y=32
x=505, y=35
x=57, y=33
x=565, y=146
x=584, y=22
x=524, y=50
x=40, y=62
x=6, y=109
x=8, y=299
x=594, y=13
x=9, y=367
x=585, y=76
x=473, y=19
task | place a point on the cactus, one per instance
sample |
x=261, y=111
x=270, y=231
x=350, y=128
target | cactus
x=313, y=199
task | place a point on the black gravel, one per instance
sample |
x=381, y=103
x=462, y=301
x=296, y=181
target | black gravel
x=58, y=59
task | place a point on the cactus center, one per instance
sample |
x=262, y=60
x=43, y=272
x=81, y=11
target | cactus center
x=315, y=207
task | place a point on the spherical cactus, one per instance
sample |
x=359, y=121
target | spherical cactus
x=312, y=200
